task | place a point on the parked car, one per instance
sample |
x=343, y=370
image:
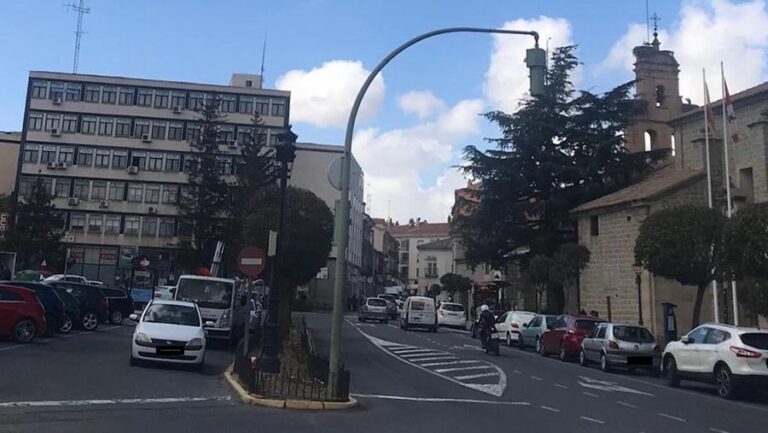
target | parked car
x=169, y=331
x=374, y=309
x=21, y=314
x=66, y=277
x=120, y=304
x=532, y=331
x=734, y=359
x=71, y=309
x=391, y=306
x=94, y=306
x=419, y=311
x=566, y=335
x=164, y=292
x=451, y=314
x=616, y=345
x=510, y=323
x=53, y=306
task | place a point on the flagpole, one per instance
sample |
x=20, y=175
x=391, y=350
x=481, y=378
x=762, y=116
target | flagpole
x=728, y=186
x=709, y=180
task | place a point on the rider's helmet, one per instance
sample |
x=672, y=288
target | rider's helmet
x=484, y=308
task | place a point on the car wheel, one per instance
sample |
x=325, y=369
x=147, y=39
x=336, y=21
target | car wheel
x=724, y=382
x=605, y=365
x=540, y=347
x=24, y=331
x=670, y=372
x=90, y=321
x=583, y=358
x=563, y=355
x=509, y=340
x=66, y=326
x=116, y=317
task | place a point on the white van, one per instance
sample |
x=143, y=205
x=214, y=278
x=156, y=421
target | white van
x=419, y=311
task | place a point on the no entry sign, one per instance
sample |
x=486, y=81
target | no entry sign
x=251, y=260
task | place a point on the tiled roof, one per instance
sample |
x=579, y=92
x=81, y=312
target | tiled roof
x=442, y=244
x=658, y=182
x=419, y=230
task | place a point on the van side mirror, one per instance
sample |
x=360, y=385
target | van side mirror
x=134, y=317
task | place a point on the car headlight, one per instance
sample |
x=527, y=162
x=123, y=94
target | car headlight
x=195, y=344
x=142, y=338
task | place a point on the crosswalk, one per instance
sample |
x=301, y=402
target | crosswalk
x=476, y=374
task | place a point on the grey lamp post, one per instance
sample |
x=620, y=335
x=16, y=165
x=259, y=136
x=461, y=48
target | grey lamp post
x=535, y=59
x=638, y=272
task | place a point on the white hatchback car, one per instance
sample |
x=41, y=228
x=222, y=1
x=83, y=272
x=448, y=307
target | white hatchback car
x=169, y=331
x=451, y=314
x=733, y=358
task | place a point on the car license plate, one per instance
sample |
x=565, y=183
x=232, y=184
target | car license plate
x=170, y=350
x=639, y=360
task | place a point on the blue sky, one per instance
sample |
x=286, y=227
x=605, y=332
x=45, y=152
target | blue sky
x=205, y=41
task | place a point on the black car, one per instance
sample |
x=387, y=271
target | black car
x=94, y=307
x=55, y=315
x=71, y=308
x=120, y=304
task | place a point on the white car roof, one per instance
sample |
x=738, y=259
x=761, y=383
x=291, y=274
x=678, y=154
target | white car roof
x=732, y=328
x=421, y=298
x=172, y=302
x=451, y=303
x=199, y=277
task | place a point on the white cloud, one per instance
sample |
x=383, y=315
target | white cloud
x=393, y=162
x=506, y=80
x=708, y=32
x=323, y=96
x=423, y=103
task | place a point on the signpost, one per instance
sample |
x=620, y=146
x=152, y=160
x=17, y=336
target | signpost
x=251, y=261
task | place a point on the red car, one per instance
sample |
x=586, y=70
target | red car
x=21, y=314
x=565, y=336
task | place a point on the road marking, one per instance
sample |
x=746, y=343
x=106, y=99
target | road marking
x=55, y=403
x=3, y=349
x=393, y=326
x=672, y=417
x=442, y=400
x=590, y=394
x=432, y=358
x=456, y=331
x=517, y=371
x=435, y=364
x=592, y=420
x=410, y=350
x=626, y=404
x=561, y=386
x=717, y=430
x=476, y=376
x=430, y=352
x=551, y=409
x=536, y=378
x=604, y=385
x=477, y=367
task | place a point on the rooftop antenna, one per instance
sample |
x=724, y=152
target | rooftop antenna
x=368, y=197
x=647, y=24
x=263, y=55
x=81, y=10
x=389, y=207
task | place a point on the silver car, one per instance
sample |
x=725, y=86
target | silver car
x=374, y=309
x=531, y=332
x=617, y=345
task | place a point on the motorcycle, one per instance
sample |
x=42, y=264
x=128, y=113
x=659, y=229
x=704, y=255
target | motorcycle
x=492, y=342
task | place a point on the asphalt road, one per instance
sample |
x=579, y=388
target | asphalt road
x=404, y=380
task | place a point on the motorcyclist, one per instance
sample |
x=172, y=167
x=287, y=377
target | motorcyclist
x=487, y=323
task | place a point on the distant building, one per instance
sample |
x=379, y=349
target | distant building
x=9, y=157
x=409, y=237
x=434, y=259
x=387, y=256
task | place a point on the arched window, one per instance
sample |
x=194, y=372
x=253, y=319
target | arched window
x=660, y=96
x=650, y=139
x=672, y=143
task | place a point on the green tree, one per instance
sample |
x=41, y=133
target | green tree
x=36, y=234
x=557, y=151
x=570, y=259
x=306, y=241
x=746, y=242
x=537, y=276
x=434, y=290
x=454, y=283
x=684, y=244
x=753, y=296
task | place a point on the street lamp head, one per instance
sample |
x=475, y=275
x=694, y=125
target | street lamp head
x=536, y=60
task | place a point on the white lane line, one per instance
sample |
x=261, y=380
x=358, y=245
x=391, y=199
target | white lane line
x=536, y=378
x=477, y=367
x=551, y=409
x=626, y=404
x=671, y=417
x=410, y=350
x=476, y=376
x=433, y=358
x=561, y=386
x=393, y=326
x=442, y=400
x=3, y=349
x=456, y=331
x=592, y=420
x=435, y=364
x=590, y=394
x=54, y=403
x=517, y=371
x=423, y=354
x=716, y=430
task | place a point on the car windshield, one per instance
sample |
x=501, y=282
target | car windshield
x=634, y=334
x=172, y=314
x=551, y=320
x=207, y=293
x=758, y=340
x=375, y=302
x=453, y=307
x=586, y=325
x=523, y=317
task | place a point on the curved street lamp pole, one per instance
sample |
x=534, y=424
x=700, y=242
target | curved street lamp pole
x=536, y=61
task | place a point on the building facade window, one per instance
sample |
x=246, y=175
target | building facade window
x=99, y=190
x=61, y=188
x=57, y=91
x=172, y=162
x=25, y=186
x=223, y=165
x=108, y=95
x=102, y=159
x=152, y=194
x=48, y=154
x=226, y=134
x=106, y=126
x=125, y=96
x=155, y=162
x=74, y=91
x=131, y=225
x=112, y=224
x=135, y=192
x=84, y=157
x=196, y=101
x=81, y=189
x=278, y=107
x=193, y=132
x=35, y=122
x=161, y=99
x=39, y=89
x=228, y=104
x=176, y=131
x=149, y=226
x=262, y=106
x=243, y=134
x=123, y=128
x=67, y=155
x=141, y=128
x=69, y=125
x=116, y=191
x=246, y=105
x=31, y=153
x=77, y=222
x=95, y=223
x=594, y=225
x=167, y=227
x=92, y=93
x=88, y=125
x=139, y=159
x=52, y=121
x=158, y=130
x=120, y=159
x=178, y=100
x=144, y=98
x=274, y=139
x=170, y=194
